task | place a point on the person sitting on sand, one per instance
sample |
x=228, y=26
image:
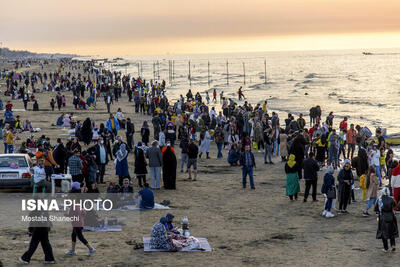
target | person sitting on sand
x=169, y=226
x=112, y=193
x=159, y=236
x=60, y=120
x=66, y=121
x=233, y=156
x=35, y=106
x=147, y=196
x=126, y=193
x=27, y=126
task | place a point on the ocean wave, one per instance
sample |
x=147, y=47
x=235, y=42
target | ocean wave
x=291, y=80
x=311, y=76
x=353, y=102
x=307, y=81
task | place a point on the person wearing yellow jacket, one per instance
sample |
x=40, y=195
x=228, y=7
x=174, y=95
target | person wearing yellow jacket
x=9, y=144
x=363, y=185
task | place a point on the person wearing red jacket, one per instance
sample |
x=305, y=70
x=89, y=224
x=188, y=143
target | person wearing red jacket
x=343, y=124
x=351, y=140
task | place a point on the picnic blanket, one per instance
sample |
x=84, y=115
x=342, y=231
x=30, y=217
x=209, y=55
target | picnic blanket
x=203, y=244
x=112, y=228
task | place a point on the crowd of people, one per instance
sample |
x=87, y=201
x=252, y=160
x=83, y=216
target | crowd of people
x=191, y=124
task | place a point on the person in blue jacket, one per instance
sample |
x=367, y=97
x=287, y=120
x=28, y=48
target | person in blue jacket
x=329, y=184
x=112, y=124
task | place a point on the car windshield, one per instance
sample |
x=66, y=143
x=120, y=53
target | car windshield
x=13, y=162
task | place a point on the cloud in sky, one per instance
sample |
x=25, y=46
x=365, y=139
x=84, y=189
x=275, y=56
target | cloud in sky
x=59, y=24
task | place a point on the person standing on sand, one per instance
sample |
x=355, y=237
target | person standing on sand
x=372, y=192
x=205, y=144
x=215, y=95
x=247, y=161
x=292, y=178
x=155, y=162
x=374, y=157
x=100, y=150
x=9, y=141
x=351, y=141
x=75, y=166
x=169, y=168
x=311, y=169
x=112, y=125
x=108, y=99
x=329, y=190
x=193, y=151
x=77, y=225
x=121, y=152
x=40, y=234
x=387, y=223
x=219, y=138
x=283, y=144
x=129, y=132
x=345, y=179
x=268, y=145
x=297, y=149
x=145, y=133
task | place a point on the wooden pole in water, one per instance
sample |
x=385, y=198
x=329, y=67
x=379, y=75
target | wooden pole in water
x=158, y=70
x=265, y=71
x=173, y=69
x=141, y=68
x=227, y=73
x=138, y=69
x=169, y=71
x=244, y=73
x=154, y=71
x=208, y=73
x=190, y=76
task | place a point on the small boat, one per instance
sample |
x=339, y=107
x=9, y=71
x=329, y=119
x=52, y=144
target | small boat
x=391, y=139
x=367, y=53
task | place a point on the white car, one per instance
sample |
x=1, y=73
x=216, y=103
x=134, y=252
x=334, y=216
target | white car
x=15, y=171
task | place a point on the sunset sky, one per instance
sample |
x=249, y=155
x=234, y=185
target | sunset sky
x=131, y=27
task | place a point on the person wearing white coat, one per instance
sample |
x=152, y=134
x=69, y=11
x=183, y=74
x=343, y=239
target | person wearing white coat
x=205, y=144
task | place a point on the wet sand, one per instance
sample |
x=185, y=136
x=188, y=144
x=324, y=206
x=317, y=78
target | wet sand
x=244, y=227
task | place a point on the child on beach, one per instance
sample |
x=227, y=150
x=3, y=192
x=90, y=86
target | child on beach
x=383, y=161
x=328, y=189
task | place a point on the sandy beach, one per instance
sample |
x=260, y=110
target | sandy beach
x=244, y=227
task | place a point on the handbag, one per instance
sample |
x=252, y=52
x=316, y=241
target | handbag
x=331, y=193
x=255, y=145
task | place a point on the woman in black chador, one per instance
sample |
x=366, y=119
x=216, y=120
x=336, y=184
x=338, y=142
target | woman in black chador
x=87, y=132
x=169, y=168
x=387, y=223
